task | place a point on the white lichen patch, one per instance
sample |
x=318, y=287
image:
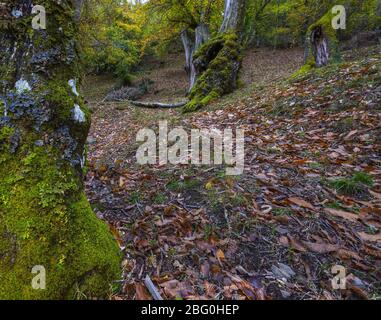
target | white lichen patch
x=83, y=160
x=73, y=87
x=16, y=13
x=78, y=114
x=22, y=86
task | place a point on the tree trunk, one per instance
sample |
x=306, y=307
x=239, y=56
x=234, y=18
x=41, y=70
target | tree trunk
x=218, y=62
x=233, y=15
x=322, y=44
x=202, y=35
x=45, y=218
x=188, y=49
x=319, y=44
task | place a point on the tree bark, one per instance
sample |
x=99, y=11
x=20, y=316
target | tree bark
x=45, y=218
x=233, y=15
x=319, y=44
x=188, y=49
x=202, y=35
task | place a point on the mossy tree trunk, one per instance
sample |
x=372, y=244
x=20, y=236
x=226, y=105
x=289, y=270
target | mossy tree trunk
x=322, y=45
x=218, y=62
x=45, y=218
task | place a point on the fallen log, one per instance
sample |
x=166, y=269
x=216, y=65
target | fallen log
x=158, y=105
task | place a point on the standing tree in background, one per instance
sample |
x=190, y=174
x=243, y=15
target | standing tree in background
x=218, y=62
x=45, y=218
x=193, y=20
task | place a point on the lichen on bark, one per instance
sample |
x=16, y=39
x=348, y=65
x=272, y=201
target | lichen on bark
x=45, y=218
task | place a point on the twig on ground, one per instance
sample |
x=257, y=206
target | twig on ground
x=152, y=289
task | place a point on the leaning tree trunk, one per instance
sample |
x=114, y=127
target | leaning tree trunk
x=45, y=218
x=218, y=62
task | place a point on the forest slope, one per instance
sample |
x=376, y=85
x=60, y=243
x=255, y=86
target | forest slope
x=309, y=198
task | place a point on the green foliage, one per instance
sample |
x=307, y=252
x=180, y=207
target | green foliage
x=352, y=185
x=112, y=38
x=284, y=23
x=167, y=18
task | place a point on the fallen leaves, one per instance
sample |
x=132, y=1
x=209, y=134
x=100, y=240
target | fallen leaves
x=142, y=292
x=218, y=238
x=220, y=255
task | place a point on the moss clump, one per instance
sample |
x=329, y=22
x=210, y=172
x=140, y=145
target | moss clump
x=45, y=219
x=304, y=70
x=217, y=63
x=354, y=185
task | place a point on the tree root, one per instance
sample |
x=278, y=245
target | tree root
x=158, y=105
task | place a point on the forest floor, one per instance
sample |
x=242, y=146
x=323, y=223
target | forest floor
x=309, y=198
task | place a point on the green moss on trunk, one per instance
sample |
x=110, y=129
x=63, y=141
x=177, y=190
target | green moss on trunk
x=45, y=218
x=217, y=63
x=324, y=27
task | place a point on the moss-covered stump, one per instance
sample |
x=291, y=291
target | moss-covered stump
x=322, y=45
x=45, y=218
x=217, y=64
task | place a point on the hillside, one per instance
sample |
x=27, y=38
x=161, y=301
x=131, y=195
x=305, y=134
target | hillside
x=309, y=198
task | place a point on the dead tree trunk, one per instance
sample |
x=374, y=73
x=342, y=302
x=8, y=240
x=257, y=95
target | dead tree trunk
x=46, y=222
x=322, y=44
x=217, y=63
x=319, y=45
x=191, y=45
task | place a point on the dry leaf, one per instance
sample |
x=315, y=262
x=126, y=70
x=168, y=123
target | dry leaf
x=296, y=244
x=343, y=214
x=370, y=237
x=376, y=195
x=321, y=247
x=141, y=292
x=301, y=203
x=220, y=254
